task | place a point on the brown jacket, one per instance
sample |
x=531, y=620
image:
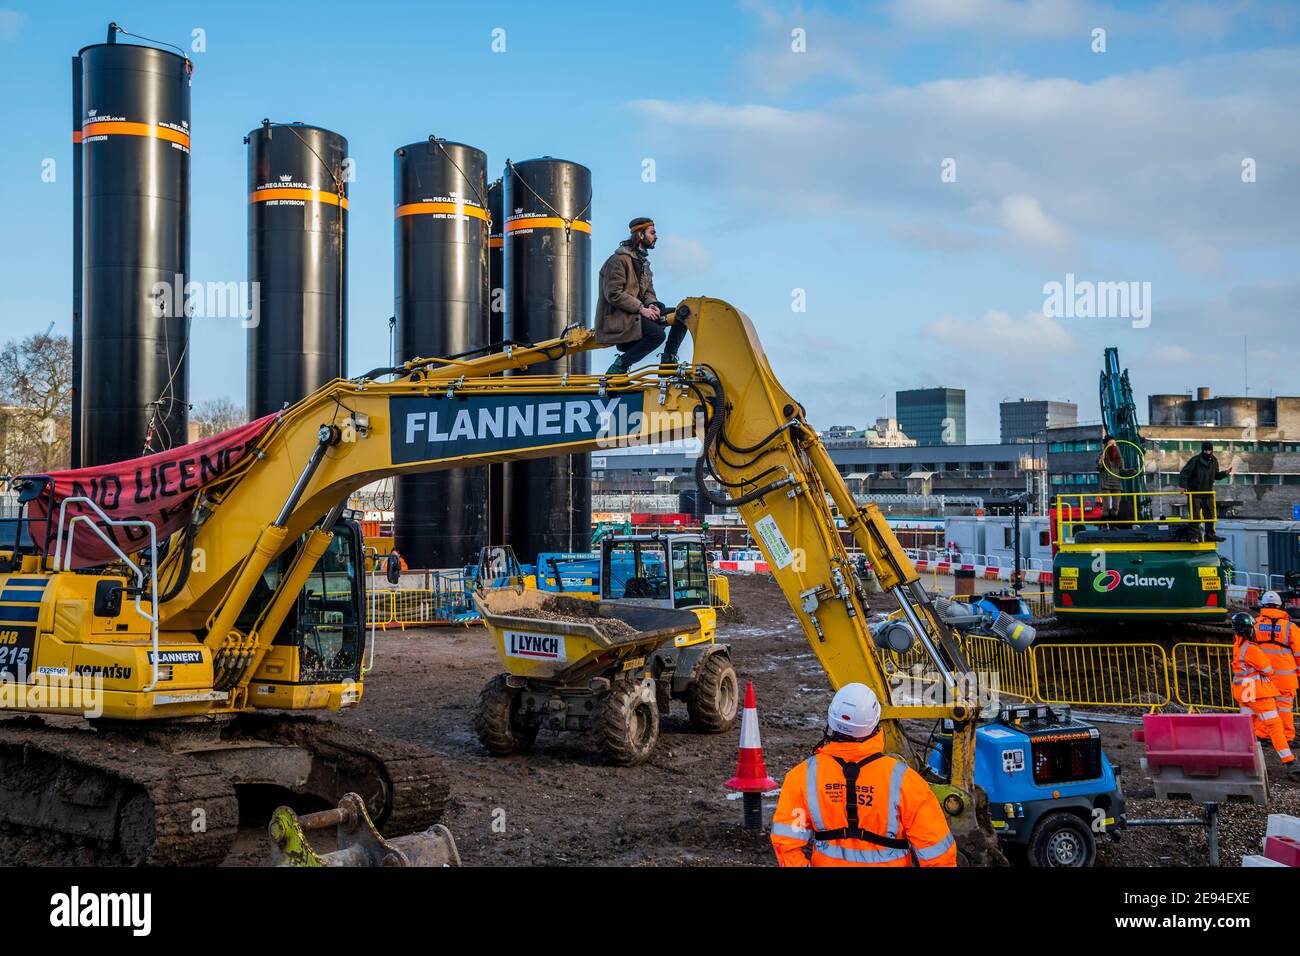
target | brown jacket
x=622, y=294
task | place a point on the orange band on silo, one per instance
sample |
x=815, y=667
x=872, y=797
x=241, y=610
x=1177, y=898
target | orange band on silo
x=545, y=222
x=431, y=208
x=121, y=128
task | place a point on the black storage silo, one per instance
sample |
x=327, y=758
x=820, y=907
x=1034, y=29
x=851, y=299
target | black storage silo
x=440, y=237
x=297, y=262
x=76, y=261
x=496, y=334
x=548, y=283
x=496, y=262
x=134, y=195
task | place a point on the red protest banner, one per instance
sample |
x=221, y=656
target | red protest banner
x=158, y=488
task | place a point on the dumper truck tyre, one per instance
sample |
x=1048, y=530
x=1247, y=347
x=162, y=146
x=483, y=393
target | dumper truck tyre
x=629, y=725
x=497, y=719
x=713, y=699
x=1061, y=839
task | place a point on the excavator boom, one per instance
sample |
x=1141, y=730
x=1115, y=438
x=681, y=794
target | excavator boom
x=226, y=592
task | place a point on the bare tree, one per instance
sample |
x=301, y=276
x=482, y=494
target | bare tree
x=36, y=395
x=217, y=415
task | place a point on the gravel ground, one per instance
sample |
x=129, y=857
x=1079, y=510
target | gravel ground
x=561, y=805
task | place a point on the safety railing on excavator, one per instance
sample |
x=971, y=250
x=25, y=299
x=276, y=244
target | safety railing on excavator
x=1149, y=510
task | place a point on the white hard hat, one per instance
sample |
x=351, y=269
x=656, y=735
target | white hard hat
x=1270, y=599
x=854, y=711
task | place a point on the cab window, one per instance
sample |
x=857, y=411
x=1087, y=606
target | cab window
x=690, y=574
x=636, y=569
x=331, y=631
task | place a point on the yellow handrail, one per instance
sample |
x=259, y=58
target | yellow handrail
x=1126, y=510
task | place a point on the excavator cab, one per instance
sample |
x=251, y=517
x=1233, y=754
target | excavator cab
x=323, y=637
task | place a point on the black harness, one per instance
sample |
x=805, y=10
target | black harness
x=1277, y=627
x=851, y=769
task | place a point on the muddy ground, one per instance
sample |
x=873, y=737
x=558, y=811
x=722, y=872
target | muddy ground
x=561, y=805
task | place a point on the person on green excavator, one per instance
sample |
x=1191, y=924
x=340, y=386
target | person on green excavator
x=1197, y=478
x=629, y=314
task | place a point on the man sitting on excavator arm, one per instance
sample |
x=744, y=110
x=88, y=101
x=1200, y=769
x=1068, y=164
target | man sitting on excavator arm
x=629, y=314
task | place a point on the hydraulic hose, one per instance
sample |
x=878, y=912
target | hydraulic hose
x=713, y=435
x=183, y=575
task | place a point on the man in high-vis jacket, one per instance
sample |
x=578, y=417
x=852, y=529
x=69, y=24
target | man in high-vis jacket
x=1253, y=689
x=857, y=805
x=1276, y=638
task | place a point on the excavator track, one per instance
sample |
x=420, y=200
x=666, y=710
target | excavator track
x=404, y=785
x=165, y=794
x=75, y=796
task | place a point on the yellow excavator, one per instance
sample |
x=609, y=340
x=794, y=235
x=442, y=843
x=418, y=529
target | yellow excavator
x=209, y=650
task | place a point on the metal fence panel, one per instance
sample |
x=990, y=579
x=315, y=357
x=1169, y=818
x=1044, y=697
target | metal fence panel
x=1102, y=675
x=1203, y=676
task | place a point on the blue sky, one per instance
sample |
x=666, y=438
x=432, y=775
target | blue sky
x=776, y=170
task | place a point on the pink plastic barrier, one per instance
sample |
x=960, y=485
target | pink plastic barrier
x=1199, y=744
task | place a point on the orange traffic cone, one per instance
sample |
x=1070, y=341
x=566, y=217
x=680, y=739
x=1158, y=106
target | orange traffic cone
x=751, y=777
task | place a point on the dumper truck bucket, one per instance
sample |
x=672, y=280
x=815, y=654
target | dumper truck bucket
x=551, y=637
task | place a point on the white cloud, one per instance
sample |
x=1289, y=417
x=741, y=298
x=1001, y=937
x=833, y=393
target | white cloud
x=1034, y=20
x=1024, y=17
x=1149, y=156
x=838, y=48
x=937, y=236
x=995, y=331
x=682, y=256
x=1026, y=222
x=1171, y=354
x=1198, y=256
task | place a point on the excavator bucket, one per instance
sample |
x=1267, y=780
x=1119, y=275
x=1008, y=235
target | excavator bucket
x=550, y=637
x=971, y=825
x=359, y=843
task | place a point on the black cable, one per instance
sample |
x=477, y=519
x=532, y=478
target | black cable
x=179, y=50
x=376, y=372
x=739, y=465
x=483, y=203
x=762, y=442
x=338, y=183
x=568, y=220
x=185, y=561
x=745, y=481
x=711, y=440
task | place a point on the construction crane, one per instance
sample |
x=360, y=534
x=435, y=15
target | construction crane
x=207, y=667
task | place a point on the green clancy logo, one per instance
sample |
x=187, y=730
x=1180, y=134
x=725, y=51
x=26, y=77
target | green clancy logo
x=1106, y=581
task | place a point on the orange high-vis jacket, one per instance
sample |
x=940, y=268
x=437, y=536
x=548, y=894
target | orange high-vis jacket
x=1252, y=672
x=1276, y=638
x=898, y=820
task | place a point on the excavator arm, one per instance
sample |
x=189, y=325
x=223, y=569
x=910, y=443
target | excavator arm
x=770, y=463
x=758, y=453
